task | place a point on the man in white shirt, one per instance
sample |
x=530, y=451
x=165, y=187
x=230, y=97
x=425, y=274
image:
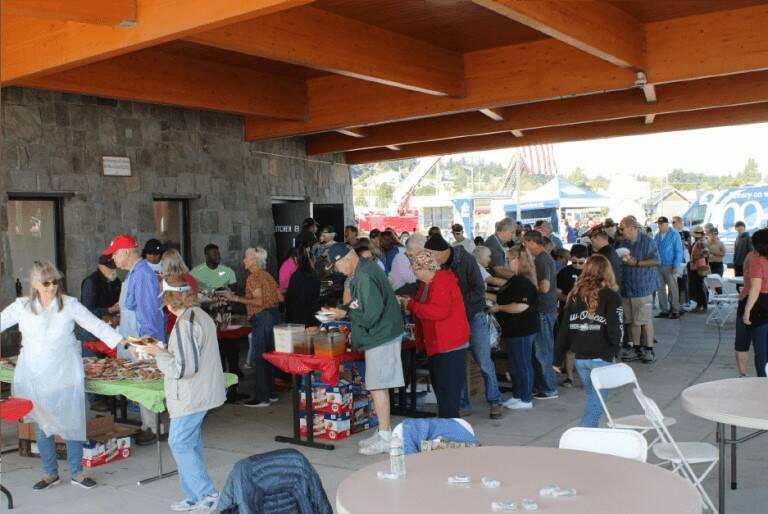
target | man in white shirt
x=458, y=234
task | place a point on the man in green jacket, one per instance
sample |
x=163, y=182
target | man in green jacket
x=377, y=329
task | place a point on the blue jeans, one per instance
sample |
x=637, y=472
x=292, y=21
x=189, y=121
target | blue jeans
x=480, y=345
x=520, y=351
x=759, y=336
x=545, y=380
x=263, y=340
x=47, y=447
x=593, y=409
x=186, y=442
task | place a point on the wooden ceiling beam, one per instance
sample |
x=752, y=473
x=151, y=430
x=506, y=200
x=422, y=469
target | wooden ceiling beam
x=710, y=93
x=757, y=113
x=707, y=45
x=34, y=47
x=322, y=40
x=356, y=132
x=98, y=12
x=593, y=26
x=158, y=77
x=541, y=70
x=500, y=76
x=493, y=114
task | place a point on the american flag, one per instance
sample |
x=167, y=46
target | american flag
x=538, y=160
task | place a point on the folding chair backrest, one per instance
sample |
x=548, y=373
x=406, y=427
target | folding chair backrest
x=621, y=443
x=713, y=282
x=610, y=377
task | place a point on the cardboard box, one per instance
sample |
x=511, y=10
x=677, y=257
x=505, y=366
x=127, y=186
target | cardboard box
x=354, y=373
x=328, y=399
x=363, y=414
x=106, y=442
x=328, y=425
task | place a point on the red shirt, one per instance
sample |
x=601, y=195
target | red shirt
x=441, y=319
x=756, y=266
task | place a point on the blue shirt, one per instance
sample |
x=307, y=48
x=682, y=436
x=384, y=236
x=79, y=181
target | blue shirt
x=637, y=282
x=141, y=311
x=670, y=249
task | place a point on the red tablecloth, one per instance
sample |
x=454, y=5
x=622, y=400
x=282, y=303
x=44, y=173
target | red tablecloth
x=299, y=364
x=238, y=333
x=100, y=347
x=13, y=409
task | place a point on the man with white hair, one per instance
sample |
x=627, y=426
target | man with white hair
x=639, y=280
x=377, y=329
x=544, y=227
x=141, y=311
x=401, y=275
x=497, y=243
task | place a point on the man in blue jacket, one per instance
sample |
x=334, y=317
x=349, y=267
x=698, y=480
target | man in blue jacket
x=671, y=254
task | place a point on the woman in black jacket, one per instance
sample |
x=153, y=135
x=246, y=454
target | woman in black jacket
x=302, y=299
x=592, y=327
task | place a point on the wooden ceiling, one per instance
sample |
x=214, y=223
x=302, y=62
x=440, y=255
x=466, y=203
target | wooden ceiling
x=391, y=79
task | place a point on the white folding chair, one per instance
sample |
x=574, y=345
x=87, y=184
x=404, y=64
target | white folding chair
x=680, y=456
x=610, y=441
x=613, y=377
x=724, y=304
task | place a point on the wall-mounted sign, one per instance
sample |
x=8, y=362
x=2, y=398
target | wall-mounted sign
x=116, y=166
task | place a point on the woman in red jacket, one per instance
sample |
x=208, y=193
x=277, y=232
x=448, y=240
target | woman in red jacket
x=442, y=324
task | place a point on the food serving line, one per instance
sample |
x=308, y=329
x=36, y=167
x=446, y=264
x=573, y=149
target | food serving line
x=148, y=393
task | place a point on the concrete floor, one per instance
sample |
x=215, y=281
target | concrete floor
x=688, y=353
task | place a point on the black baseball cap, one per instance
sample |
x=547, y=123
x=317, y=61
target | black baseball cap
x=153, y=247
x=662, y=219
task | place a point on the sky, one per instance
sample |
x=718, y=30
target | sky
x=714, y=151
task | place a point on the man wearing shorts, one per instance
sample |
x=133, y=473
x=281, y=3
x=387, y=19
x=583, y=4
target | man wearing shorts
x=639, y=279
x=377, y=328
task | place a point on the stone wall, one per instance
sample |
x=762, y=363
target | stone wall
x=54, y=142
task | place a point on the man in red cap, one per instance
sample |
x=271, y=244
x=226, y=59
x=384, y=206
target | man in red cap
x=141, y=311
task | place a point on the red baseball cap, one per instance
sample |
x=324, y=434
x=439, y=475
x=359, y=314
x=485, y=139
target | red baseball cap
x=120, y=242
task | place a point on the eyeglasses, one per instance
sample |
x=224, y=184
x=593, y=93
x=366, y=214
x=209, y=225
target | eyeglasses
x=49, y=283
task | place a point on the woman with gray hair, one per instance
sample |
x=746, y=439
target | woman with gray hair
x=401, y=274
x=262, y=298
x=50, y=372
x=441, y=319
x=482, y=255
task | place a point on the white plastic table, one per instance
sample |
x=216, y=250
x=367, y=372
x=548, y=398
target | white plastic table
x=739, y=281
x=738, y=402
x=604, y=484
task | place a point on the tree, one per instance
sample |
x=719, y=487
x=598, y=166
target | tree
x=384, y=195
x=599, y=183
x=577, y=177
x=750, y=174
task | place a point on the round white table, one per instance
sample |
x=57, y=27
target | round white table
x=738, y=402
x=603, y=483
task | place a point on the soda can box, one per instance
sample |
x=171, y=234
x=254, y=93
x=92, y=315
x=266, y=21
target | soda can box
x=107, y=448
x=327, y=425
x=354, y=373
x=327, y=398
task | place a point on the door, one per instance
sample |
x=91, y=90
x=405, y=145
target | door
x=288, y=216
x=330, y=214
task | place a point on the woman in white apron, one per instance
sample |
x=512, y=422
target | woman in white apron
x=49, y=371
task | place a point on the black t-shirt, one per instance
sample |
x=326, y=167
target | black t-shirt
x=566, y=278
x=518, y=290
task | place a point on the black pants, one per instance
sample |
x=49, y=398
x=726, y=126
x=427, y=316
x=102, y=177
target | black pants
x=445, y=371
x=718, y=269
x=698, y=291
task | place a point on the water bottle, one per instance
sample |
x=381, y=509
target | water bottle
x=397, y=457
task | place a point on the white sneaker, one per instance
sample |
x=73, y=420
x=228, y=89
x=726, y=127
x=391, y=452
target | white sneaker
x=208, y=503
x=380, y=445
x=368, y=441
x=183, y=506
x=520, y=405
x=511, y=401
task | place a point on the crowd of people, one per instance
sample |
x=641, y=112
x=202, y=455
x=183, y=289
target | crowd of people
x=552, y=310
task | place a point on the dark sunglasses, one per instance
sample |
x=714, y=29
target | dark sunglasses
x=49, y=283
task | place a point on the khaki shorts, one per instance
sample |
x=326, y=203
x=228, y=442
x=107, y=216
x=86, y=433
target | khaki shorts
x=383, y=367
x=638, y=311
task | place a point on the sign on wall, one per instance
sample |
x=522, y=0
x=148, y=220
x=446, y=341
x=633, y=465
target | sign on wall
x=116, y=166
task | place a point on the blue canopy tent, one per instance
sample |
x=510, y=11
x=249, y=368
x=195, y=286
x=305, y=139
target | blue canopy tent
x=547, y=201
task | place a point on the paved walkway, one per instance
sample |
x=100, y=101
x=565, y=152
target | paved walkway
x=688, y=353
